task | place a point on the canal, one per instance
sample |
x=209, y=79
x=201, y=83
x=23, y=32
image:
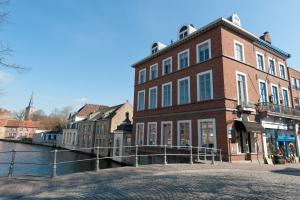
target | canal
x=43, y=157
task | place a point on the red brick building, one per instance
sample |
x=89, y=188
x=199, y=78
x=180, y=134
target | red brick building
x=17, y=129
x=217, y=86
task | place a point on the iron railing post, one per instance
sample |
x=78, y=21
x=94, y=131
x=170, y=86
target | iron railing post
x=221, y=155
x=198, y=156
x=213, y=156
x=97, y=160
x=191, y=156
x=12, y=164
x=165, y=155
x=205, y=153
x=54, y=164
x=136, y=155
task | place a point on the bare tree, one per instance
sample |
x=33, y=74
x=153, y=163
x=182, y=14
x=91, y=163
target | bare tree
x=19, y=115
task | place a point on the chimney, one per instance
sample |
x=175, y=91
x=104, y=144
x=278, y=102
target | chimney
x=266, y=37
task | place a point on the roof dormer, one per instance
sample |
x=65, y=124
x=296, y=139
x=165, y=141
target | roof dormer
x=157, y=46
x=185, y=30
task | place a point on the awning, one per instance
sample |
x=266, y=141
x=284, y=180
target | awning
x=248, y=126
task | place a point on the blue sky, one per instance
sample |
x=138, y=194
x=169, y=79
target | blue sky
x=81, y=50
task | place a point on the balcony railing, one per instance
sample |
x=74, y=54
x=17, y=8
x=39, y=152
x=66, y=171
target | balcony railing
x=275, y=108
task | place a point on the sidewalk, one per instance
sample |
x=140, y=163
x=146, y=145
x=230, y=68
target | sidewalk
x=180, y=181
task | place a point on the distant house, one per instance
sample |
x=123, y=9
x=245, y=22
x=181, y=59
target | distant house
x=50, y=138
x=18, y=129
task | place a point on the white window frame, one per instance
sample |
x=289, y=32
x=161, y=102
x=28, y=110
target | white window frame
x=149, y=97
x=278, y=92
x=150, y=74
x=178, y=131
x=138, y=100
x=178, y=58
x=163, y=65
x=163, y=94
x=189, y=91
x=284, y=88
x=213, y=120
x=284, y=69
x=275, y=71
x=161, y=132
x=263, y=58
x=243, y=49
x=267, y=93
x=136, y=132
x=197, y=49
x=237, y=88
x=148, y=132
x=142, y=70
x=211, y=85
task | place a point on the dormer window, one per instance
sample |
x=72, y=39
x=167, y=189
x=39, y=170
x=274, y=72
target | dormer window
x=154, y=48
x=157, y=46
x=186, y=30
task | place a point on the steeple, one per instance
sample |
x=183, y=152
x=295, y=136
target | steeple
x=29, y=109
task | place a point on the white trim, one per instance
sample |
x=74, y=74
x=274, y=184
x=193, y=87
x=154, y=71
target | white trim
x=161, y=132
x=197, y=49
x=136, y=133
x=138, y=100
x=213, y=120
x=149, y=97
x=263, y=59
x=163, y=65
x=148, y=132
x=178, y=58
x=289, y=102
x=178, y=131
x=189, y=91
x=275, y=72
x=277, y=92
x=142, y=70
x=237, y=89
x=284, y=69
x=243, y=49
x=163, y=92
x=267, y=94
x=150, y=74
x=211, y=85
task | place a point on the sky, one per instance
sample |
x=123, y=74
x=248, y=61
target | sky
x=81, y=51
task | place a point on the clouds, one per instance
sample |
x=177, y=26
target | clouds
x=5, y=78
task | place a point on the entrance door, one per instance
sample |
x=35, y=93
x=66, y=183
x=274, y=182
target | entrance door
x=166, y=138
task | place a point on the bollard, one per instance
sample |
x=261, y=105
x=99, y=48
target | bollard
x=54, y=164
x=191, y=156
x=165, y=155
x=221, y=155
x=12, y=164
x=213, y=157
x=136, y=156
x=97, y=160
x=198, y=156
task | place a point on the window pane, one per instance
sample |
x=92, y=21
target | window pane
x=184, y=134
x=239, y=52
x=272, y=67
x=167, y=66
x=203, y=51
x=167, y=128
x=183, y=60
x=207, y=134
x=141, y=105
x=166, y=95
x=205, y=91
x=153, y=98
x=152, y=134
x=140, y=134
x=184, y=91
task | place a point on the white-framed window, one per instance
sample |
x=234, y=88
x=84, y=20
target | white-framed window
x=167, y=66
x=139, y=136
x=153, y=72
x=152, y=133
x=285, y=97
x=166, y=133
x=184, y=133
x=183, y=59
x=203, y=51
x=204, y=86
x=272, y=68
x=184, y=91
x=282, y=71
x=141, y=100
x=239, y=51
x=242, y=89
x=207, y=133
x=166, y=97
x=275, y=95
x=152, y=98
x=263, y=91
x=260, y=60
x=142, y=76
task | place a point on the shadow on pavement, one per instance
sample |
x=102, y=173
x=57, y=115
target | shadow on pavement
x=288, y=171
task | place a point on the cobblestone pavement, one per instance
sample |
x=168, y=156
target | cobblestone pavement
x=181, y=181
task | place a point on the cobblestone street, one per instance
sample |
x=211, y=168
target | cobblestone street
x=198, y=181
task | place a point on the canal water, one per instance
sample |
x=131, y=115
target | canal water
x=43, y=157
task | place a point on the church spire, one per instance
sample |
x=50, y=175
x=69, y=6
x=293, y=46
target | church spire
x=29, y=109
x=31, y=100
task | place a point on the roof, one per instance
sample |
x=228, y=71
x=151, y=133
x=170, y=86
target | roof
x=87, y=109
x=19, y=123
x=107, y=112
x=214, y=24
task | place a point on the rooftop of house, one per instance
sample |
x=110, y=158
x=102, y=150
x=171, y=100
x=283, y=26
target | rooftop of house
x=19, y=123
x=87, y=109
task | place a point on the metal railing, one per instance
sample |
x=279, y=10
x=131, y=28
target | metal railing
x=270, y=107
x=131, y=155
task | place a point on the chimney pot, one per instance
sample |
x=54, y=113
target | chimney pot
x=266, y=37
